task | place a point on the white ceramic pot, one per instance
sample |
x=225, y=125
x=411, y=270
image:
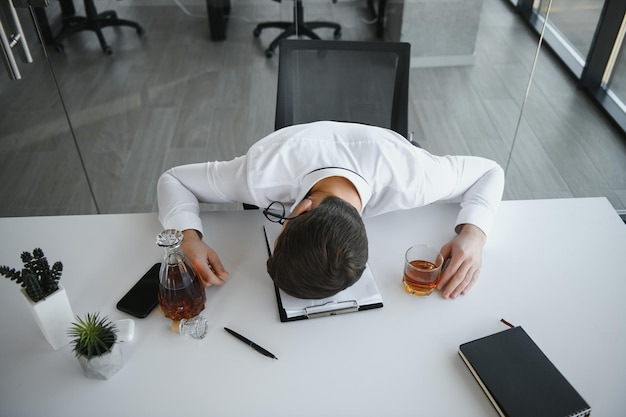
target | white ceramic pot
x=53, y=315
x=105, y=366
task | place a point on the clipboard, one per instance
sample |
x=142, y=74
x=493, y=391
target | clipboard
x=363, y=295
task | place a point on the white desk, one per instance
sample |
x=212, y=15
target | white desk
x=556, y=267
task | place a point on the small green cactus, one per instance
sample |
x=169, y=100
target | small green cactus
x=92, y=336
x=37, y=277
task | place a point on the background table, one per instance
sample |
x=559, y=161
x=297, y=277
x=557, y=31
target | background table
x=553, y=266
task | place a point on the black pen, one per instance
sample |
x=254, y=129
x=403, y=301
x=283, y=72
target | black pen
x=251, y=344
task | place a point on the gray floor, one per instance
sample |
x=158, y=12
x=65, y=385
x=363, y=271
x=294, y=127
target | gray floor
x=175, y=97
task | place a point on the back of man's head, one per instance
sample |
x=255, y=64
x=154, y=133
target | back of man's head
x=320, y=252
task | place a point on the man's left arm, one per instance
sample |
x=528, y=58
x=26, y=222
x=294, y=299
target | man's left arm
x=464, y=255
x=480, y=182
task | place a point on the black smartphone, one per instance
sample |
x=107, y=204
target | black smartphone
x=140, y=300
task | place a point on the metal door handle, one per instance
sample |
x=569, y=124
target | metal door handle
x=12, y=36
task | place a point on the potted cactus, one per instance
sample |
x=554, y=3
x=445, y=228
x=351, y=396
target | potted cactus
x=94, y=341
x=44, y=295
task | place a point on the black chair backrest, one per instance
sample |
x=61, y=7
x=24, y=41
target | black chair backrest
x=349, y=81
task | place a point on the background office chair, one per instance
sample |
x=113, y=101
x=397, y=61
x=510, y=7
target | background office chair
x=296, y=28
x=363, y=82
x=378, y=14
x=93, y=21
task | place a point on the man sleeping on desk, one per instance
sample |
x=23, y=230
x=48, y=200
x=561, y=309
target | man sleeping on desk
x=331, y=174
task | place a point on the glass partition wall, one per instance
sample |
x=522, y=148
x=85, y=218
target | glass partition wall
x=575, y=114
x=85, y=132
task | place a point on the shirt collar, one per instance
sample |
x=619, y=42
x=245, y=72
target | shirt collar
x=313, y=177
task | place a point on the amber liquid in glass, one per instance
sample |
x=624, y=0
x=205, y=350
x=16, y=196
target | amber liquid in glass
x=182, y=297
x=421, y=278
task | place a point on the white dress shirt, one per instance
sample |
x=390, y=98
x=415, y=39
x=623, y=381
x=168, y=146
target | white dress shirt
x=388, y=172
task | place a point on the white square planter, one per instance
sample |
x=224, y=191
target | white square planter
x=54, y=316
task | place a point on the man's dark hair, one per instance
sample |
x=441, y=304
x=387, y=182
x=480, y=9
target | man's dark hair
x=321, y=252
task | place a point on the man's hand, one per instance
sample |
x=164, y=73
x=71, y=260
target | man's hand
x=465, y=255
x=203, y=258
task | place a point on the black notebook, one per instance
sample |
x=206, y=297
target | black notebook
x=518, y=377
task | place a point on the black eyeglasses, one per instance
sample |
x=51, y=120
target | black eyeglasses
x=275, y=213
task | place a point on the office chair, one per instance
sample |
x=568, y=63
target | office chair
x=296, y=28
x=362, y=82
x=93, y=21
x=378, y=14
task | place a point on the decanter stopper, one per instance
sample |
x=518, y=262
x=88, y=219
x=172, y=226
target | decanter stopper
x=195, y=327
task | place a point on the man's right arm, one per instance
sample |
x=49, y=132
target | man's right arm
x=182, y=188
x=179, y=192
x=204, y=259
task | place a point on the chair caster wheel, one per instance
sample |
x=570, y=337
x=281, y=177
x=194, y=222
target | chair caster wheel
x=269, y=53
x=337, y=34
x=256, y=32
x=108, y=51
x=141, y=32
x=59, y=48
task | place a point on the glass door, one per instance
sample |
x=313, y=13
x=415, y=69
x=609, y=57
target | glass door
x=40, y=165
